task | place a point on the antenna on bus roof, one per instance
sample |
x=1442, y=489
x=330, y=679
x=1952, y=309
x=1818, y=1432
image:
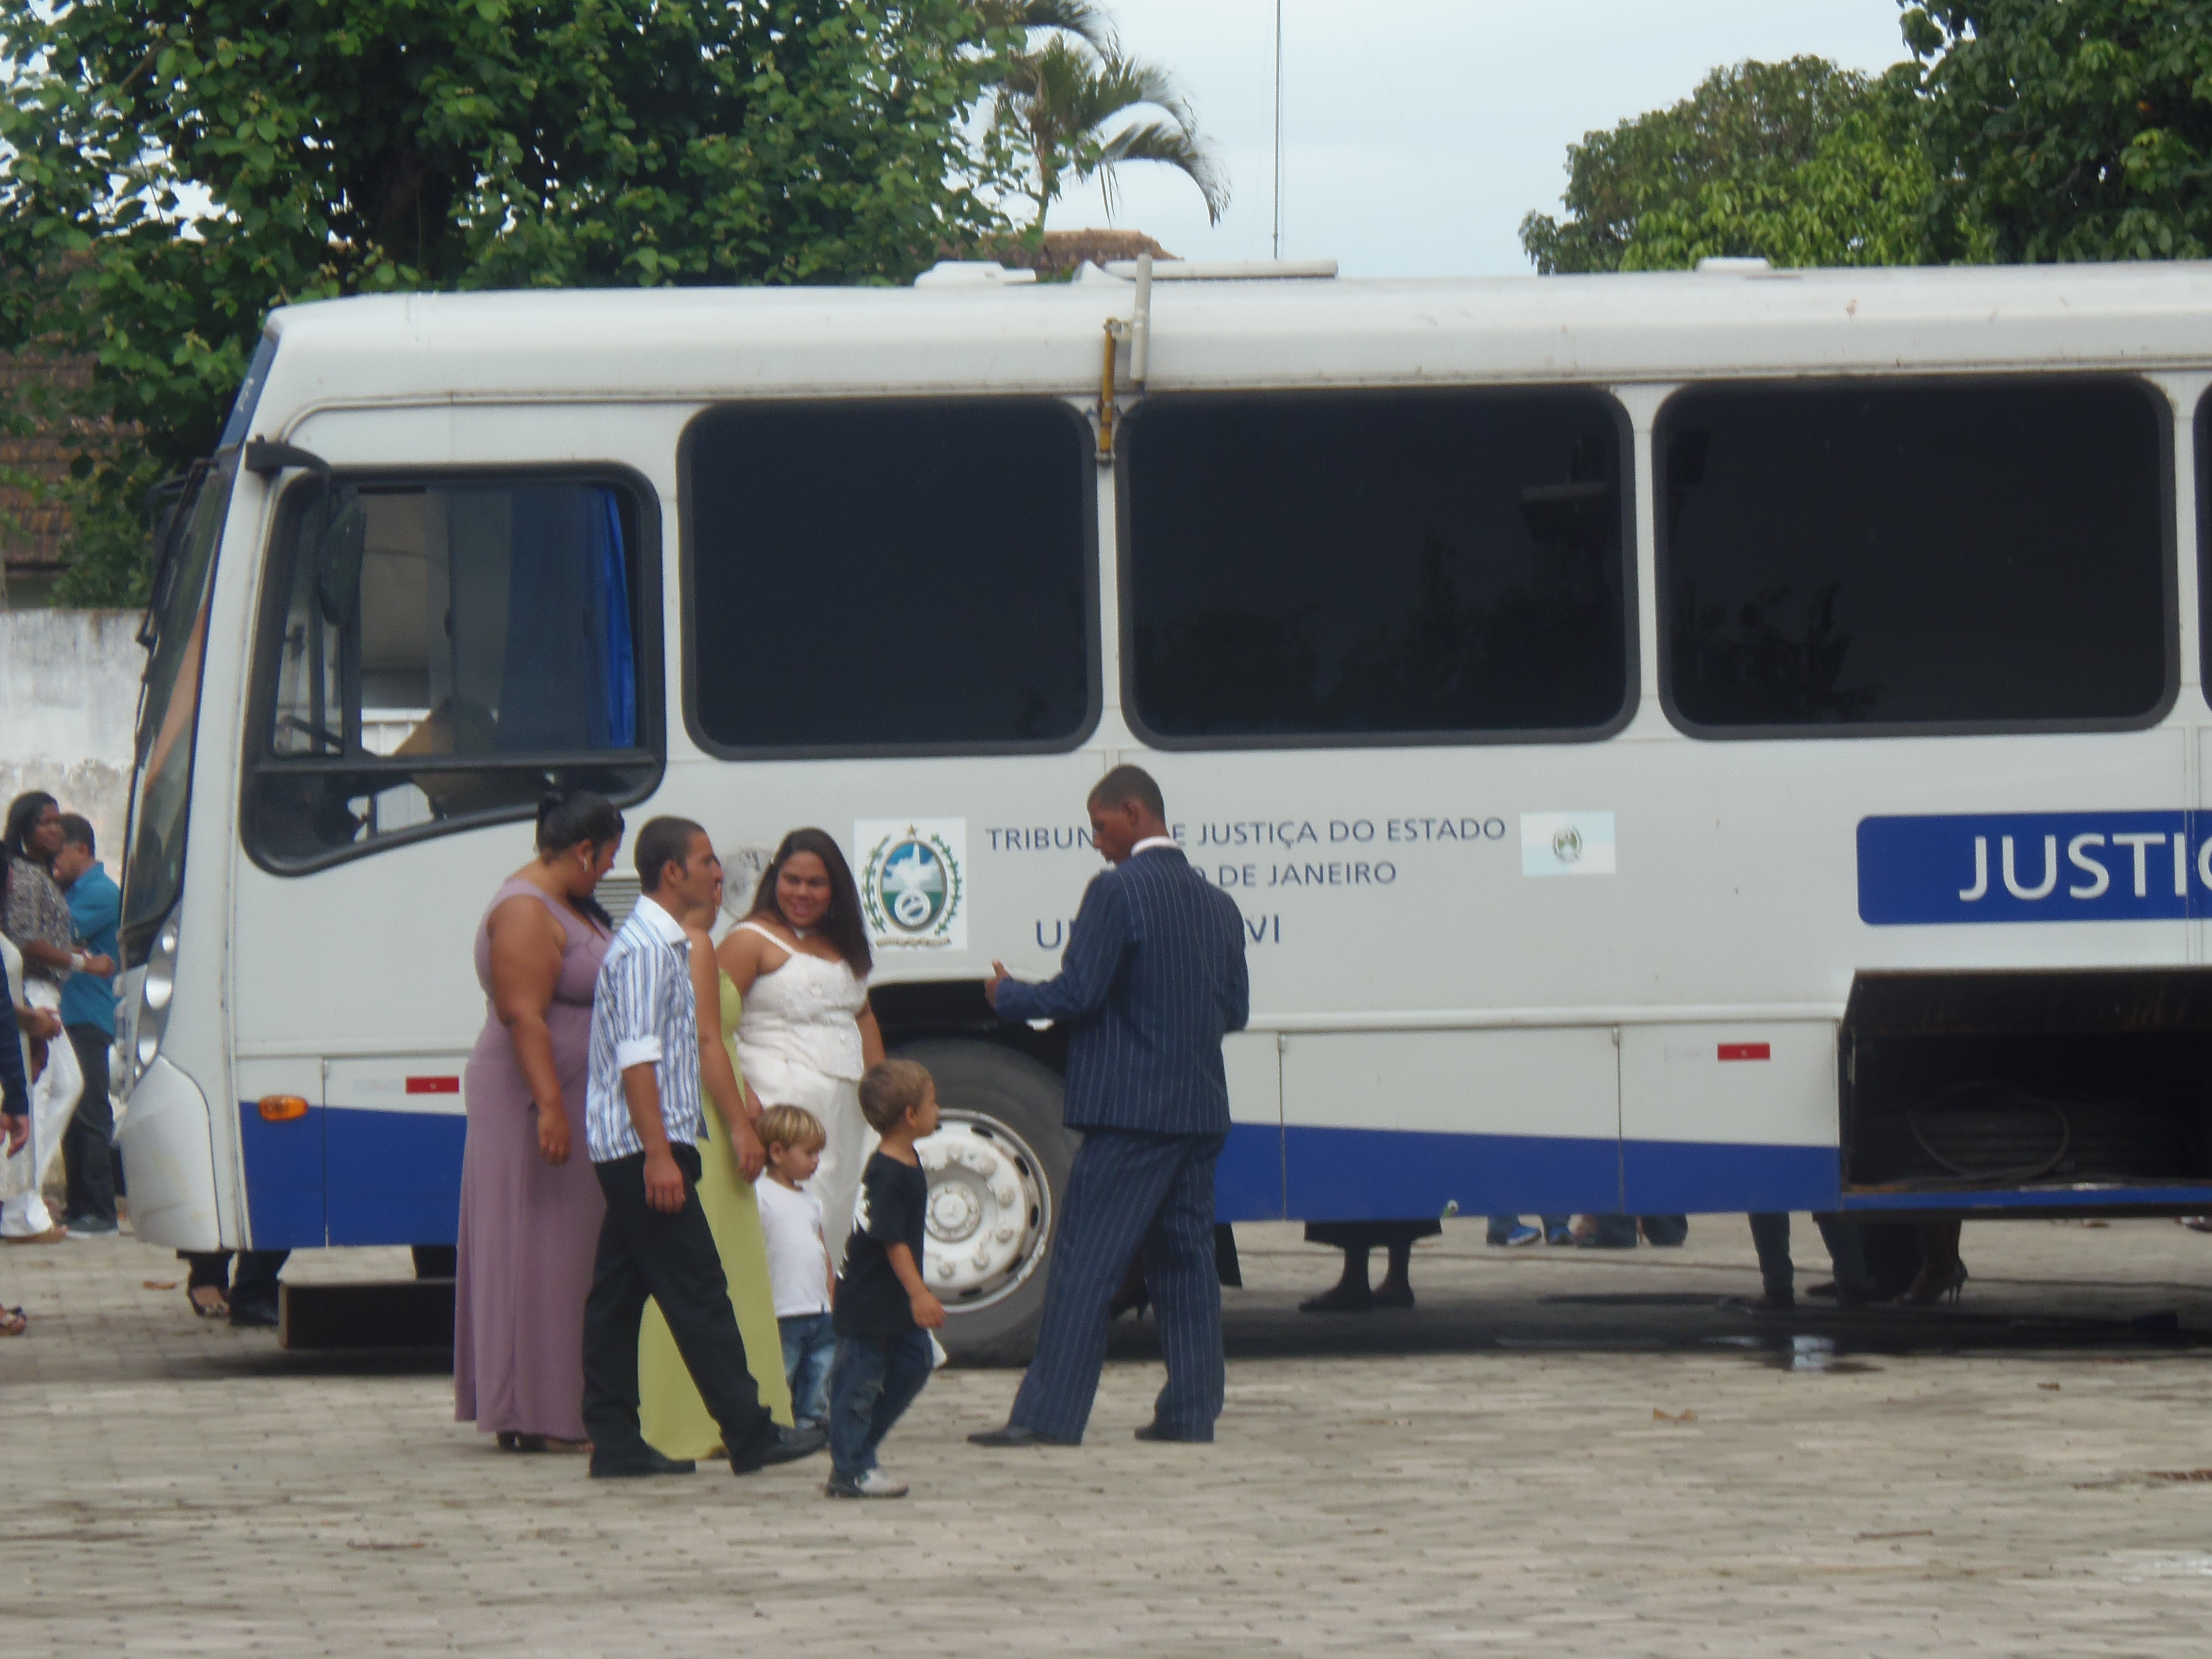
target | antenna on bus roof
x=1278, y=250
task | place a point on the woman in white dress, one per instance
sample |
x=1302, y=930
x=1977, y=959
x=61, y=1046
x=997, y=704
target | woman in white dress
x=800, y=961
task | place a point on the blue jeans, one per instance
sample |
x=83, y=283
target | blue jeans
x=1778, y=1275
x=1502, y=1225
x=809, y=1344
x=871, y=1386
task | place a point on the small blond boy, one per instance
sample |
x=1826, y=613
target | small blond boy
x=800, y=1274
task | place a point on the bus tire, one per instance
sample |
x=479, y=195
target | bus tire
x=998, y=1176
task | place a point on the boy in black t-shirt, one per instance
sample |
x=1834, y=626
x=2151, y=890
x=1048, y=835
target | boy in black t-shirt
x=884, y=1312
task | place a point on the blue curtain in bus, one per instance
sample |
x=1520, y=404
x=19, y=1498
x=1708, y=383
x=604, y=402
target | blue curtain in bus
x=570, y=679
x=619, y=669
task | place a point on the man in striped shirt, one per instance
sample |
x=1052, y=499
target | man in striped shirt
x=641, y=1121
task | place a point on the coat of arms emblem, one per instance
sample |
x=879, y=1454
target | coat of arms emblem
x=912, y=882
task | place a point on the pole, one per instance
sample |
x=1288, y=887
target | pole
x=1279, y=128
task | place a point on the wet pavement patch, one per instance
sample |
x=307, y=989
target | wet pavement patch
x=1635, y=1299
x=1806, y=1355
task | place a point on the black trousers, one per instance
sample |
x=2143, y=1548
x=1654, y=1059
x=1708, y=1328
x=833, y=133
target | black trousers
x=671, y=1259
x=87, y=1144
x=256, y=1285
x=1770, y=1236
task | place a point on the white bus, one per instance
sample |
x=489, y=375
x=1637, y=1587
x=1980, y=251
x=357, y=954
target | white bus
x=1728, y=741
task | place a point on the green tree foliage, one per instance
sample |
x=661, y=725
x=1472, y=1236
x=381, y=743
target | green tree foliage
x=1862, y=197
x=2072, y=130
x=170, y=170
x=1747, y=131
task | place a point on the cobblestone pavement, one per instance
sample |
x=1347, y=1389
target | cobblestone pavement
x=1559, y=1452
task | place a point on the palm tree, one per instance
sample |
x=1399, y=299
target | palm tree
x=1080, y=18
x=1064, y=92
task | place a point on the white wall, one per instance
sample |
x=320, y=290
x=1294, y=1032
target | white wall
x=69, y=694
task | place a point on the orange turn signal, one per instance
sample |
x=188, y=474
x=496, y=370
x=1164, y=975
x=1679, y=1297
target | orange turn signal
x=282, y=1108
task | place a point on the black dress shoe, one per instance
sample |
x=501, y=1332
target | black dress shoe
x=1014, y=1435
x=1154, y=1431
x=260, y=1315
x=623, y=1466
x=1394, y=1293
x=784, y=1446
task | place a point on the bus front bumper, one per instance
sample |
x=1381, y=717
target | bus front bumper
x=168, y=1154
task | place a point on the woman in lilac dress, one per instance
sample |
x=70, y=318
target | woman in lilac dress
x=530, y=1204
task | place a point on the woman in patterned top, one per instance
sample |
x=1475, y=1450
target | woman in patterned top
x=20, y=1026
x=36, y=917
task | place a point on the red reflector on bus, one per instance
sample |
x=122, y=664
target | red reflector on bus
x=450, y=1086
x=1746, y=1051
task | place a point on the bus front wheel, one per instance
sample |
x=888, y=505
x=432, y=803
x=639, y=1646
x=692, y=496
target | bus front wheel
x=998, y=1171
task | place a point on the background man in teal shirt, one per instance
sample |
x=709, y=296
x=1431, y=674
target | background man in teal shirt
x=88, y=1015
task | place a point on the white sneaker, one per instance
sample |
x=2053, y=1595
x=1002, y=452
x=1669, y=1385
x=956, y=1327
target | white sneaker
x=874, y=1484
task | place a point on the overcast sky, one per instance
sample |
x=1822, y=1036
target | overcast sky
x=1416, y=133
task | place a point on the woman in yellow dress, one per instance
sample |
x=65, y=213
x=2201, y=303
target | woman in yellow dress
x=674, y=1418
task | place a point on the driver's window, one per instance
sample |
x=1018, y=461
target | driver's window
x=445, y=651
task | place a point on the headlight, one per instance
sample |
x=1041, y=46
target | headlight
x=155, y=992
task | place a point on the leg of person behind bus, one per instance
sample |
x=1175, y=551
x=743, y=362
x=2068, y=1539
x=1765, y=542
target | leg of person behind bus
x=87, y=1142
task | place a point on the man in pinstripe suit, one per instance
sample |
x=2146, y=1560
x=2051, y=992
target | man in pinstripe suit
x=1152, y=976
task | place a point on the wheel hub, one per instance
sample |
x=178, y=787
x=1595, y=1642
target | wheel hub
x=987, y=1219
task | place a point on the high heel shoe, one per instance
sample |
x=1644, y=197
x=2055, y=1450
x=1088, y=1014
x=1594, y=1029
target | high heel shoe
x=1928, y=1290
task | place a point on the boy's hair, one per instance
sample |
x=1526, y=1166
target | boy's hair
x=891, y=1090
x=794, y=1126
x=76, y=831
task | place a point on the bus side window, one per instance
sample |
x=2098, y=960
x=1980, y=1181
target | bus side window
x=890, y=575
x=444, y=653
x=1916, y=556
x=1329, y=568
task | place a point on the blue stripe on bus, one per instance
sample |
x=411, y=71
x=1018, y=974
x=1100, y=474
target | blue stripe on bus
x=1248, y=1182
x=1679, y=1177
x=283, y=1178
x=2159, y=1198
x=344, y=1176
x=1376, y=1175
x=1359, y=1174
x=395, y=1177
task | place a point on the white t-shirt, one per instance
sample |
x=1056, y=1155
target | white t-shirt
x=798, y=1248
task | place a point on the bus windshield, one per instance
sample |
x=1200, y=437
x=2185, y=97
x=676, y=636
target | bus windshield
x=169, y=707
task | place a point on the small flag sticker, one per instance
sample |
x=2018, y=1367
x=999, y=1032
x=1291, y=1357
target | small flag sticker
x=1566, y=844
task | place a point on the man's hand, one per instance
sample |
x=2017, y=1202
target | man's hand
x=553, y=1136
x=664, y=1181
x=100, y=967
x=40, y=1024
x=928, y=1311
x=19, y=1131
x=752, y=1156
x=998, y=976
